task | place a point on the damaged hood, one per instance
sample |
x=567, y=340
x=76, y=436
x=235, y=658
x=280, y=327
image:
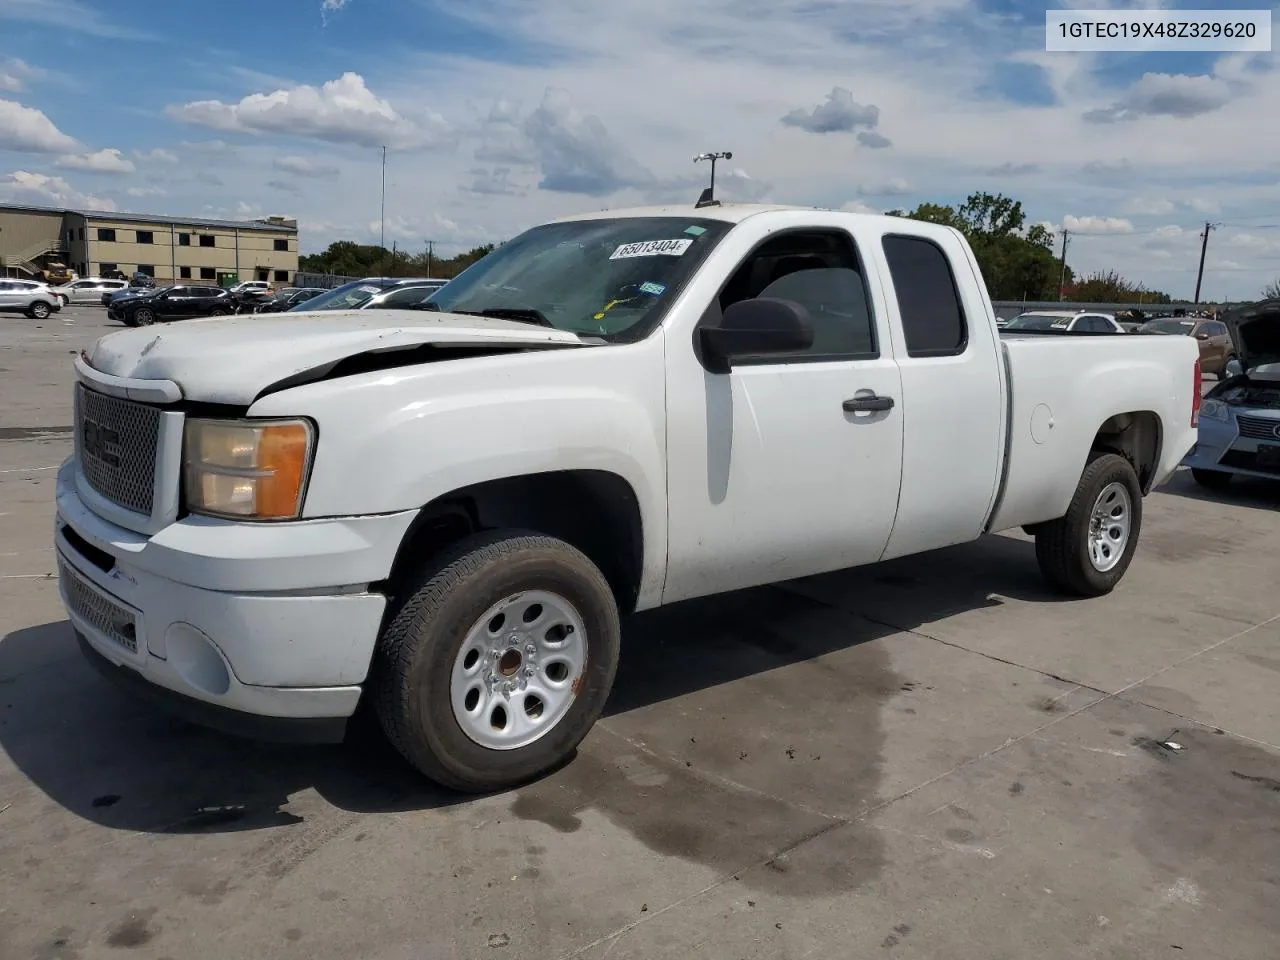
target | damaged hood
x=1255, y=331
x=234, y=360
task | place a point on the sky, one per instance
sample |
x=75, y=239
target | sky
x=500, y=114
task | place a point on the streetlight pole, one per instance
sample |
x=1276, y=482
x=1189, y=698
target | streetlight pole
x=383, y=241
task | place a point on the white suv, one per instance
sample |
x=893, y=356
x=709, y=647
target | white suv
x=88, y=290
x=36, y=300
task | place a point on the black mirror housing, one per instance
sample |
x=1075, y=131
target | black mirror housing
x=755, y=327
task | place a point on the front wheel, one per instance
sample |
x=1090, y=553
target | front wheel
x=38, y=310
x=498, y=661
x=1086, y=551
x=143, y=317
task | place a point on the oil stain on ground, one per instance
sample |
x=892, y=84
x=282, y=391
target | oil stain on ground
x=1211, y=813
x=726, y=777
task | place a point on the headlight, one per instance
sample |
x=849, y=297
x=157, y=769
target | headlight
x=256, y=469
x=1213, y=410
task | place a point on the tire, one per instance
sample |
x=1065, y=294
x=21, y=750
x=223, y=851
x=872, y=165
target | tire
x=142, y=318
x=39, y=310
x=218, y=312
x=419, y=676
x=1211, y=479
x=1063, y=546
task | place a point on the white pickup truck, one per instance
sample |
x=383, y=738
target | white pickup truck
x=444, y=513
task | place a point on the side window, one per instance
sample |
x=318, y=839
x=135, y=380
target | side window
x=1093, y=325
x=407, y=297
x=932, y=318
x=821, y=271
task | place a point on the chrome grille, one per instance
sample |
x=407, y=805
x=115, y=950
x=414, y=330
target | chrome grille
x=106, y=616
x=116, y=444
x=1259, y=428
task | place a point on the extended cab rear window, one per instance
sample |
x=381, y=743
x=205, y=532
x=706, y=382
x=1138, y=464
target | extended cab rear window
x=932, y=318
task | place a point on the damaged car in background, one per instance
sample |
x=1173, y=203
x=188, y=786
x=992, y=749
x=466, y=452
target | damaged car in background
x=1240, y=417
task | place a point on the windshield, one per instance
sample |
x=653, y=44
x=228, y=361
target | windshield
x=346, y=297
x=611, y=278
x=1038, y=321
x=1168, y=326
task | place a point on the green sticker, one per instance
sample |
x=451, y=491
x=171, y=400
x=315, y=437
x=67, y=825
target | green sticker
x=696, y=231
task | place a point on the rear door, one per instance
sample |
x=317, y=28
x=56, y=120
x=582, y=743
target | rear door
x=953, y=390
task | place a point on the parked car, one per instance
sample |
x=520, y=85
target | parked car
x=606, y=414
x=1240, y=417
x=124, y=293
x=171, y=303
x=36, y=300
x=353, y=295
x=140, y=279
x=246, y=286
x=1066, y=321
x=89, y=290
x=248, y=300
x=287, y=299
x=1216, y=348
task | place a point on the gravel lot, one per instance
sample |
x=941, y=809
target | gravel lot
x=930, y=758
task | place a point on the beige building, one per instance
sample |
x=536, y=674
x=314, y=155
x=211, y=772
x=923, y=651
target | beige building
x=168, y=249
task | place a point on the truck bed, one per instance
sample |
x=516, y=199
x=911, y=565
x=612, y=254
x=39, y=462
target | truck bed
x=1063, y=388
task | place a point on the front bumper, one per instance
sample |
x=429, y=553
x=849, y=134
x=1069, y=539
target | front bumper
x=238, y=622
x=1220, y=446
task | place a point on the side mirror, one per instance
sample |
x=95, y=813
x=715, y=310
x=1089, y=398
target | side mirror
x=1202, y=336
x=1234, y=369
x=752, y=328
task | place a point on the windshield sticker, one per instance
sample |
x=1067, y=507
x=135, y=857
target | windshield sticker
x=653, y=289
x=369, y=289
x=695, y=231
x=652, y=248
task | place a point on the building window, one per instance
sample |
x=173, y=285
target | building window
x=282, y=276
x=146, y=236
x=282, y=245
x=105, y=268
x=207, y=273
x=106, y=235
x=81, y=232
x=148, y=268
x=206, y=240
x=184, y=239
x=261, y=273
x=184, y=273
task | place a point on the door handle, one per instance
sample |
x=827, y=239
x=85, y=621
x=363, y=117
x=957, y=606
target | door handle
x=868, y=404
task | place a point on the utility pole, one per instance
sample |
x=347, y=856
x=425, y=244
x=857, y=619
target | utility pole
x=1062, y=283
x=383, y=241
x=431, y=244
x=1204, y=247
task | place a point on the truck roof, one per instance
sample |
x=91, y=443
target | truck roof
x=728, y=212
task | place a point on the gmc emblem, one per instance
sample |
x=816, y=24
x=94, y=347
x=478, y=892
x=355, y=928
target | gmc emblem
x=101, y=443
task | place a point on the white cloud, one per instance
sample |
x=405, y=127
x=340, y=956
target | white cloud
x=575, y=152
x=839, y=113
x=858, y=206
x=302, y=167
x=1096, y=225
x=328, y=7
x=157, y=155
x=340, y=111
x=1252, y=242
x=145, y=191
x=15, y=73
x=106, y=160
x=1165, y=95
x=27, y=130
x=1202, y=205
x=494, y=181
x=73, y=15
x=26, y=186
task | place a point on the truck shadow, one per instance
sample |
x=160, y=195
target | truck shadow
x=1256, y=492
x=118, y=763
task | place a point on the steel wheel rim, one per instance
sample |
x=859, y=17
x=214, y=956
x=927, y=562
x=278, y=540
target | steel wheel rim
x=517, y=672
x=1109, y=526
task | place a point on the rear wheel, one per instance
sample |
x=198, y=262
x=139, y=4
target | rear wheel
x=498, y=662
x=38, y=310
x=143, y=317
x=1086, y=551
x=1213, y=479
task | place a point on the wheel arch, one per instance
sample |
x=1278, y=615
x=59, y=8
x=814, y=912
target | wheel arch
x=1138, y=436
x=596, y=511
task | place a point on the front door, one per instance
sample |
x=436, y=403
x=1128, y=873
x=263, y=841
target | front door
x=773, y=471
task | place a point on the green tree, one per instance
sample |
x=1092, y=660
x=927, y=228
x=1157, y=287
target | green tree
x=349, y=259
x=1271, y=291
x=1110, y=287
x=1017, y=261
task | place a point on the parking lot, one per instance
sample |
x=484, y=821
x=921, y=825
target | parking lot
x=933, y=757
